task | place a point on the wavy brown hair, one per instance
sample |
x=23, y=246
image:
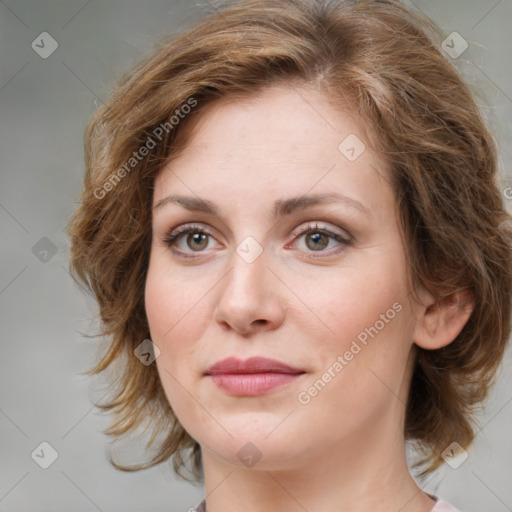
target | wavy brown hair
x=384, y=62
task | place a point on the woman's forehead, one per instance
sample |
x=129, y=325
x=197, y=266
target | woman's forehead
x=283, y=138
x=299, y=114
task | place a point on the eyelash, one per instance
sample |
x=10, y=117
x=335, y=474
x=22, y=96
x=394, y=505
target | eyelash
x=171, y=239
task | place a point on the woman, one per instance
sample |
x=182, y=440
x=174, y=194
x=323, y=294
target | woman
x=291, y=211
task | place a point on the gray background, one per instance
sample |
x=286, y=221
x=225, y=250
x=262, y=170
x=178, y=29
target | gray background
x=44, y=106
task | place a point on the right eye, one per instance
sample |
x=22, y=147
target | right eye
x=188, y=239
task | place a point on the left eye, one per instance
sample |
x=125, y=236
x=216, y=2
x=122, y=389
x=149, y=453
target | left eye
x=197, y=239
x=317, y=239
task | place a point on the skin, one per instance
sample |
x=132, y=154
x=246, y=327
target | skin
x=344, y=449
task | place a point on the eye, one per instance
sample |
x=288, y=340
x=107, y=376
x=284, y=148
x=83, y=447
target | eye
x=189, y=239
x=196, y=240
x=318, y=239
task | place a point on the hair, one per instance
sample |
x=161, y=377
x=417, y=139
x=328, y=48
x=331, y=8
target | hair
x=380, y=59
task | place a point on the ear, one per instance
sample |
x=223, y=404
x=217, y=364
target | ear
x=440, y=321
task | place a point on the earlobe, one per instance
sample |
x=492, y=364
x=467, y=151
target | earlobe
x=441, y=321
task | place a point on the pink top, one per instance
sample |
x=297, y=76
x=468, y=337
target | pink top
x=443, y=506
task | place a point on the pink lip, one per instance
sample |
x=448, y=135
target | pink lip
x=251, y=365
x=254, y=376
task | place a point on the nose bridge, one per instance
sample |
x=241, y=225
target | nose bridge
x=246, y=282
x=247, y=298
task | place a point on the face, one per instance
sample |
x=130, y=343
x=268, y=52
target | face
x=241, y=268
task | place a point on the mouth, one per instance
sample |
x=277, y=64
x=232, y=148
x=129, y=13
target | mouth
x=252, y=377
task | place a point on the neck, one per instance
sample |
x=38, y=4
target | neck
x=365, y=474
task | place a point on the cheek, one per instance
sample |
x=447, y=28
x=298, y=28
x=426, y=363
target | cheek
x=171, y=298
x=365, y=356
x=361, y=373
x=361, y=304
x=170, y=302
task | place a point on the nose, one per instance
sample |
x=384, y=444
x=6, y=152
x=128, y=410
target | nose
x=249, y=298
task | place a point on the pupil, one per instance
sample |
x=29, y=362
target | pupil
x=316, y=237
x=199, y=239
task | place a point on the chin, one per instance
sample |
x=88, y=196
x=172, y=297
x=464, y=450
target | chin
x=256, y=449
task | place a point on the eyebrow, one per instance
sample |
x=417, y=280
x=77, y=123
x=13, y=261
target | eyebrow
x=282, y=207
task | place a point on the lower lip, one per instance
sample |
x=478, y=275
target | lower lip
x=252, y=384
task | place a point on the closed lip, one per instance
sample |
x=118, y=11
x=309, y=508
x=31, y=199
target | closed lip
x=233, y=365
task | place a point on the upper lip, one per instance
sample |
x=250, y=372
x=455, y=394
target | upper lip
x=232, y=365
